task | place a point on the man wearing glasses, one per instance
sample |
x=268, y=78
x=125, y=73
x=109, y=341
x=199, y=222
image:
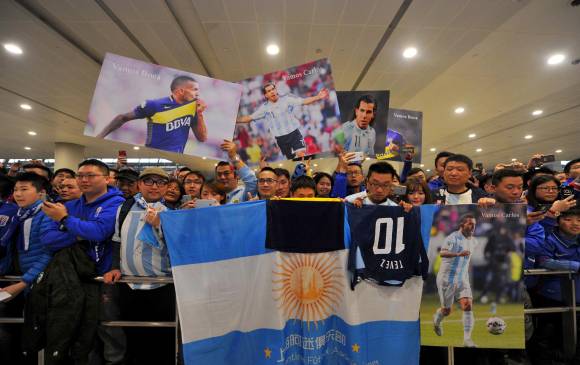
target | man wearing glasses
x=135, y=255
x=89, y=222
x=379, y=182
x=267, y=184
x=227, y=175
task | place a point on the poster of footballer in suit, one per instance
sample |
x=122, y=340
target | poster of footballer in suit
x=473, y=294
x=287, y=114
x=164, y=108
x=363, y=122
x=404, y=131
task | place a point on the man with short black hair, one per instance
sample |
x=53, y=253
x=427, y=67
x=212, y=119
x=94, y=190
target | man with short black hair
x=456, y=174
x=359, y=134
x=69, y=189
x=379, y=182
x=283, y=175
x=439, y=169
x=59, y=176
x=227, y=175
x=39, y=170
x=267, y=184
x=303, y=187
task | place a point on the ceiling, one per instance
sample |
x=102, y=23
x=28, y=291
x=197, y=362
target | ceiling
x=488, y=56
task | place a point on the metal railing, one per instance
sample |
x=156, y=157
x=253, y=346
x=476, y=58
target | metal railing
x=568, y=311
x=144, y=324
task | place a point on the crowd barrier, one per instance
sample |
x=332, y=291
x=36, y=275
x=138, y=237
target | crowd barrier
x=568, y=311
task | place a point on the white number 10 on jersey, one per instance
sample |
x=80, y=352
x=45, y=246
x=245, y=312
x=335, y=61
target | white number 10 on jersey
x=399, y=246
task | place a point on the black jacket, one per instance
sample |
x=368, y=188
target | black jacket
x=62, y=308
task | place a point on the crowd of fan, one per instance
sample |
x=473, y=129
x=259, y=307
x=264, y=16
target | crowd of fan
x=59, y=230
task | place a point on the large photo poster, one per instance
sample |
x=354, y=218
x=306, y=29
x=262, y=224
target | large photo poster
x=364, y=122
x=404, y=130
x=472, y=297
x=287, y=114
x=164, y=108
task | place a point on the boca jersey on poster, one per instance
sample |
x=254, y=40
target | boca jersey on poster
x=241, y=302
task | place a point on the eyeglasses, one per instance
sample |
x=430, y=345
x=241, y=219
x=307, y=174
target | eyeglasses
x=353, y=173
x=382, y=186
x=151, y=182
x=191, y=182
x=266, y=181
x=87, y=176
x=548, y=188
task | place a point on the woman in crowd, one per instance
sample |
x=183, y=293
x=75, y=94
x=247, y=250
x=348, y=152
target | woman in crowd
x=192, y=183
x=283, y=189
x=417, y=172
x=324, y=184
x=212, y=190
x=543, y=195
x=417, y=193
x=174, y=193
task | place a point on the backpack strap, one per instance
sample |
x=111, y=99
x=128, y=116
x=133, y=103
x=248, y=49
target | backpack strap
x=125, y=209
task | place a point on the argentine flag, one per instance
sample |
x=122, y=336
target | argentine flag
x=241, y=303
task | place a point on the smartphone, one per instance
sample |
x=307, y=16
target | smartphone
x=398, y=192
x=186, y=198
x=358, y=157
x=548, y=158
x=122, y=158
x=542, y=208
x=565, y=191
x=204, y=203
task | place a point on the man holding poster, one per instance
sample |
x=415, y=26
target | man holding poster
x=278, y=111
x=170, y=118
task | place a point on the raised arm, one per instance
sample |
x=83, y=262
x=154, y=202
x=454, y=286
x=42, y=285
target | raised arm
x=116, y=123
x=244, y=119
x=322, y=94
x=199, y=128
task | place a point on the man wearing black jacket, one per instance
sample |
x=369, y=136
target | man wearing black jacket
x=457, y=189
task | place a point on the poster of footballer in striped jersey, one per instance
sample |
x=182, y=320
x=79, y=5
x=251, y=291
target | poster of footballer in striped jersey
x=163, y=108
x=364, y=122
x=474, y=294
x=287, y=114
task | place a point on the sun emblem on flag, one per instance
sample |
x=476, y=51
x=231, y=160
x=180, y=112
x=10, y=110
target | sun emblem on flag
x=308, y=287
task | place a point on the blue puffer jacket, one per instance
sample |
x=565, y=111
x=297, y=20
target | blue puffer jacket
x=35, y=258
x=535, y=237
x=559, y=253
x=93, y=222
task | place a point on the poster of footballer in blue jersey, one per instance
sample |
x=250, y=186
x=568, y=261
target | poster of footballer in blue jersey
x=287, y=114
x=364, y=122
x=404, y=131
x=163, y=108
x=474, y=293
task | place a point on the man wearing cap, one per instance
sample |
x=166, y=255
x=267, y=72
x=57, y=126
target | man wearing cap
x=127, y=182
x=139, y=250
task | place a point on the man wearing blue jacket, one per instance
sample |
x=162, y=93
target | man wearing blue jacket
x=90, y=218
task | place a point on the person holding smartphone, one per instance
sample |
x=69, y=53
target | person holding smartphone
x=543, y=196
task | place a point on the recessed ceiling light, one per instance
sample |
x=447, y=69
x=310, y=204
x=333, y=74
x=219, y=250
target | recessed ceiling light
x=422, y=165
x=472, y=135
x=514, y=159
x=529, y=136
x=428, y=170
x=204, y=158
x=367, y=158
x=537, y=112
x=215, y=164
x=556, y=59
x=12, y=48
x=27, y=148
x=410, y=52
x=558, y=151
x=478, y=150
x=272, y=49
x=31, y=133
x=279, y=165
x=433, y=149
x=25, y=106
x=315, y=165
x=459, y=110
x=136, y=147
